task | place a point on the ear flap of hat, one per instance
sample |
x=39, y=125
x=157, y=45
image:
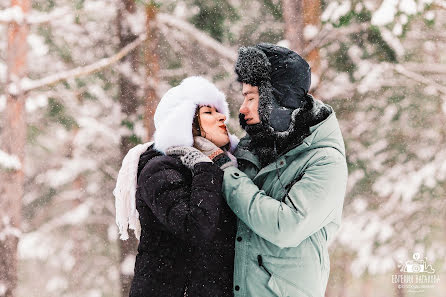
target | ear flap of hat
x=170, y=132
x=252, y=66
x=280, y=118
x=176, y=110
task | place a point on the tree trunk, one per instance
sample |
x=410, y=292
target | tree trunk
x=129, y=103
x=367, y=285
x=12, y=141
x=299, y=16
x=312, y=17
x=399, y=292
x=152, y=68
x=294, y=23
x=346, y=277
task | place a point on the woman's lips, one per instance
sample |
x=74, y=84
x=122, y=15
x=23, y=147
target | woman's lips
x=224, y=128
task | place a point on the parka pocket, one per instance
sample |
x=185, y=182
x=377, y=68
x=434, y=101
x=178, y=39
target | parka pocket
x=278, y=281
x=323, y=246
x=325, y=258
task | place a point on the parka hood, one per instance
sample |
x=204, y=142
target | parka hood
x=324, y=134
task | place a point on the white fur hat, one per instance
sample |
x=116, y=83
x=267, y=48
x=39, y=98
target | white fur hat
x=176, y=110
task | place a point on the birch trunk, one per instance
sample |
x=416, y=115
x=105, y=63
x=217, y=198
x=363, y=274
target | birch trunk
x=12, y=141
x=151, y=57
x=301, y=18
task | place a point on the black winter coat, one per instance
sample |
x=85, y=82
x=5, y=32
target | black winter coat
x=187, y=230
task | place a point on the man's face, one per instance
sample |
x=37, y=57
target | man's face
x=250, y=106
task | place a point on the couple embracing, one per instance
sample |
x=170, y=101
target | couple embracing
x=221, y=217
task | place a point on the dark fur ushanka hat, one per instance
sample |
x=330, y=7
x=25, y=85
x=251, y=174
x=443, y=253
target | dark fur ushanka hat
x=283, y=78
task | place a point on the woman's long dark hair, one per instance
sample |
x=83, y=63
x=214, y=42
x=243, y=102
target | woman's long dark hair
x=196, y=126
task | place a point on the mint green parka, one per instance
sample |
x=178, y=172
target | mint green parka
x=281, y=243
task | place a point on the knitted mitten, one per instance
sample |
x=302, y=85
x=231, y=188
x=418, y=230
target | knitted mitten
x=189, y=156
x=220, y=157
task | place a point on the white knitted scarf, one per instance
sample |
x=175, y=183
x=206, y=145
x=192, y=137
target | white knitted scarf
x=127, y=216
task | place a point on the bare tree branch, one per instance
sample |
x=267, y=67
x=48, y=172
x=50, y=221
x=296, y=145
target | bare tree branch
x=170, y=73
x=30, y=85
x=419, y=78
x=426, y=67
x=202, y=38
x=328, y=34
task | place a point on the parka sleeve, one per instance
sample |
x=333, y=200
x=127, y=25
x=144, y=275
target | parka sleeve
x=190, y=212
x=316, y=196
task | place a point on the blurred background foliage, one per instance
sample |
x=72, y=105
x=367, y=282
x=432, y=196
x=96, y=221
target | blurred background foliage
x=380, y=64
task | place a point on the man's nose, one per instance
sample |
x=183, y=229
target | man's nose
x=243, y=109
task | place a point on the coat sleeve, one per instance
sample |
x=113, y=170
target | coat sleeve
x=316, y=196
x=190, y=212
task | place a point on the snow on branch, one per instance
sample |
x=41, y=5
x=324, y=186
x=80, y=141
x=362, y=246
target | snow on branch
x=12, y=14
x=8, y=229
x=432, y=68
x=202, y=38
x=9, y=162
x=16, y=14
x=419, y=78
x=440, y=4
x=73, y=217
x=28, y=85
x=328, y=34
x=42, y=18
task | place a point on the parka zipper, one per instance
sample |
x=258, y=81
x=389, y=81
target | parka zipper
x=186, y=284
x=286, y=188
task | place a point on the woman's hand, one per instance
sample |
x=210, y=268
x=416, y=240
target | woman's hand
x=217, y=155
x=189, y=156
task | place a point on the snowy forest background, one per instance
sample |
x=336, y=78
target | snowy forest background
x=79, y=82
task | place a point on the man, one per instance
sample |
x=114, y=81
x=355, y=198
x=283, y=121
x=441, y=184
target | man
x=289, y=187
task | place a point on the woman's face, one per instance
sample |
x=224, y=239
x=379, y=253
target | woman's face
x=213, y=126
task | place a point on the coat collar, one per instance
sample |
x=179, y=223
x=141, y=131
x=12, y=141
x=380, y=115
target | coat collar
x=324, y=134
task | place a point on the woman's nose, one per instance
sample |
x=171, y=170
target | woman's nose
x=221, y=117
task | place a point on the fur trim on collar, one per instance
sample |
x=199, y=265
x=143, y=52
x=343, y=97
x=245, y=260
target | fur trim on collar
x=268, y=144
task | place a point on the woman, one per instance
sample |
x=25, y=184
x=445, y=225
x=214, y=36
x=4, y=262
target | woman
x=187, y=230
